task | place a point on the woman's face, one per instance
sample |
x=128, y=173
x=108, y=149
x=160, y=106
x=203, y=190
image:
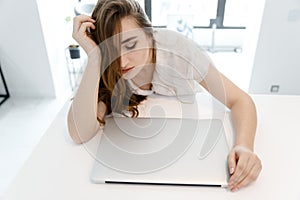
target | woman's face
x=135, y=48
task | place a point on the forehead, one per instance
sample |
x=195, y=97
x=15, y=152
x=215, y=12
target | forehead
x=129, y=28
x=128, y=24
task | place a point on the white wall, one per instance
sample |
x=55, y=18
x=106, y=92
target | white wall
x=23, y=55
x=277, y=58
x=57, y=35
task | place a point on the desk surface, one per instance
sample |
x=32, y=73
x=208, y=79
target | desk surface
x=60, y=169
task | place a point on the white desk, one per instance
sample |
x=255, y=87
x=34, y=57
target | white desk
x=59, y=169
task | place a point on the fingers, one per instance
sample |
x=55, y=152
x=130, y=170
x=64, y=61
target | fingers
x=247, y=169
x=80, y=26
x=81, y=23
x=231, y=162
x=252, y=176
x=84, y=27
x=240, y=173
x=78, y=20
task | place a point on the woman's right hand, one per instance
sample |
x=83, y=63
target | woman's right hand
x=81, y=24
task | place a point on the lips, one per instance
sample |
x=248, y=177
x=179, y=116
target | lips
x=124, y=71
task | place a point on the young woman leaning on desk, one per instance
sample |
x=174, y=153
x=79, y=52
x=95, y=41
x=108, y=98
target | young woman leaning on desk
x=128, y=60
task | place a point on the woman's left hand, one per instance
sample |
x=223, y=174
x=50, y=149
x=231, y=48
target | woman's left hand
x=244, y=167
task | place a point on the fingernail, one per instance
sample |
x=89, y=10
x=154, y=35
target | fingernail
x=231, y=170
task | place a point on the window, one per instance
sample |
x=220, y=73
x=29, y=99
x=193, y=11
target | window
x=203, y=13
x=217, y=25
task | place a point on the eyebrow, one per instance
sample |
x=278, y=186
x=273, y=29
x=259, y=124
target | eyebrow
x=128, y=39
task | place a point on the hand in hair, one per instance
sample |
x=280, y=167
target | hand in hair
x=81, y=26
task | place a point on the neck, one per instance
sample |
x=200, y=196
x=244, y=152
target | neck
x=144, y=78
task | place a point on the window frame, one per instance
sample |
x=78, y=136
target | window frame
x=218, y=21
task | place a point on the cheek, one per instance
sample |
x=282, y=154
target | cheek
x=139, y=56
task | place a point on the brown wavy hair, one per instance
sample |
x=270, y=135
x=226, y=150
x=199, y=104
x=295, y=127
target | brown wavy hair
x=113, y=91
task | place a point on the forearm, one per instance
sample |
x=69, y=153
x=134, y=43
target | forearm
x=82, y=118
x=245, y=121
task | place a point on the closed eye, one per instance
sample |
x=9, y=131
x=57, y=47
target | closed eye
x=130, y=45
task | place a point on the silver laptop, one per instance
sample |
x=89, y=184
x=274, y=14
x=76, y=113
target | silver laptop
x=162, y=151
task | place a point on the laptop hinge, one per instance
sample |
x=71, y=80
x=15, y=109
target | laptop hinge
x=167, y=184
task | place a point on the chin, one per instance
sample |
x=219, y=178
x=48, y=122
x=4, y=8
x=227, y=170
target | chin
x=130, y=75
x=125, y=77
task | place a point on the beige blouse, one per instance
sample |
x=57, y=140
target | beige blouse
x=180, y=66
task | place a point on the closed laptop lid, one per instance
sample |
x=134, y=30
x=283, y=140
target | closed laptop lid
x=168, y=151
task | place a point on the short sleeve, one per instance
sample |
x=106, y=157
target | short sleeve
x=182, y=54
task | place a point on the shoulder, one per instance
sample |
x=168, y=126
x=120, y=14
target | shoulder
x=176, y=43
x=180, y=53
x=168, y=38
x=173, y=44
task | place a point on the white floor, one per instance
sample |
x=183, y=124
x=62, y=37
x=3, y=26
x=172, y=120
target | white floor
x=23, y=121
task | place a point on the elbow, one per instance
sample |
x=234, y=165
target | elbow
x=72, y=130
x=74, y=136
x=250, y=101
x=247, y=103
x=243, y=99
x=74, y=133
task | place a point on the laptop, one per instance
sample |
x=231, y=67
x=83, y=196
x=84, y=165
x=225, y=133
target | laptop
x=162, y=151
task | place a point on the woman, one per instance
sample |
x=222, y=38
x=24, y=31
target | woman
x=133, y=61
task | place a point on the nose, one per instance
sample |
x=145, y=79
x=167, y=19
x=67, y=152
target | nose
x=124, y=61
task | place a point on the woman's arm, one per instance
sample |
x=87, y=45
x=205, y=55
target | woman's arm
x=82, y=116
x=243, y=164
